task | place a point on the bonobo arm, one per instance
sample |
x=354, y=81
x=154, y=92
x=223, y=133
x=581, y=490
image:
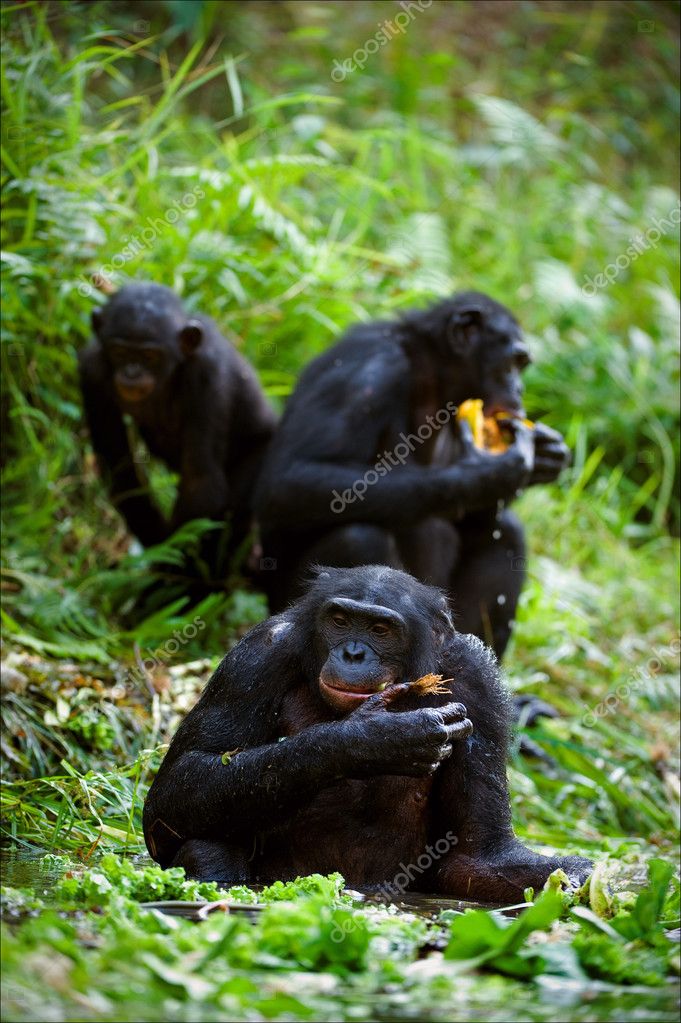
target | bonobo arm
x=203, y=490
x=332, y=436
x=201, y=793
x=127, y=487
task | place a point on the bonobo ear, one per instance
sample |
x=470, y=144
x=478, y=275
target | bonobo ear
x=96, y=320
x=191, y=336
x=463, y=328
x=443, y=626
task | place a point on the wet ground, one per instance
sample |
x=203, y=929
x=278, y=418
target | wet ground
x=483, y=997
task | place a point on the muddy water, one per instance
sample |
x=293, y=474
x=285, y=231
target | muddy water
x=31, y=869
x=23, y=869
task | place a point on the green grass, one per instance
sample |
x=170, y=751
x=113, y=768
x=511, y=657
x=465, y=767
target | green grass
x=515, y=149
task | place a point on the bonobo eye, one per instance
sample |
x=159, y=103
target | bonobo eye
x=339, y=620
x=380, y=629
x=121, y=354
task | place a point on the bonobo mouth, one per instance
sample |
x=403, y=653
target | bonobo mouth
x=341, y=698
x=134, y=394
x=494, y=409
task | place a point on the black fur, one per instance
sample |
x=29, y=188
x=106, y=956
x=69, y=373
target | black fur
x=438, y=514
x=205, y=416
x=364, y=791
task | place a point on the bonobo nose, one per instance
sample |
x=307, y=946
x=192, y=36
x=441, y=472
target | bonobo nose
x=354, y=653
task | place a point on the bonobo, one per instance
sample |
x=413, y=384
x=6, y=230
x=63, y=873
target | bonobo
x=370, y=466
x=311, y=749
x=196, y=402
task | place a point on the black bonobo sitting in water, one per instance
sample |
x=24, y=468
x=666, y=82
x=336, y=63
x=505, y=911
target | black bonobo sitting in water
x=311, y=750
x=369, y=465
x=195, y=400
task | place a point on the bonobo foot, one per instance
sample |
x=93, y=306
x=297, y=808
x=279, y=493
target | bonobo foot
x=528, y=709
x=503, y=877
x=204, y=860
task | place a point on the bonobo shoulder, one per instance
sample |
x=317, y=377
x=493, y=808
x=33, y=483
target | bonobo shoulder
x=90, y=358
x=365, y=355
x=93, y=368
x=246, y=665
x=468, y=654
x=478, y=683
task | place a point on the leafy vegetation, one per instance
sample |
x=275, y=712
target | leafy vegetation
x=349, y=954
x=517, y=149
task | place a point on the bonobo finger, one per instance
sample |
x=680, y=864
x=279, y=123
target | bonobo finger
x=414, y=768
x=466, y=434
x=460, y=730
x=529, y=708
x=544, y=477
x=546, y=473
x=522, y=436
x=545, y=434
x=452, y=712
x=379, y=701
x=551, y=451
x=542, y=464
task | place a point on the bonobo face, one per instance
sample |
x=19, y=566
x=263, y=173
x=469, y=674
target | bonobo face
x=366, y=650
x=503, y=355
x=138, y=368
x=145, y=335
x=486, y=352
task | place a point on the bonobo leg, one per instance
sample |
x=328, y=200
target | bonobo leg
x=489, y=577
x=487, y=862
x=503, y=877
x=206, y=860
x=430, y=550
x=287, y=573
x=486, y=586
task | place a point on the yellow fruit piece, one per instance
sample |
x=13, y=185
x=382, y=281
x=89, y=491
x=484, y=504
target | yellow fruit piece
x=488, y=432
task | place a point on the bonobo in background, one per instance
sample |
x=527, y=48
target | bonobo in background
x=338, y=489
x=311, y=750
x=195, y=400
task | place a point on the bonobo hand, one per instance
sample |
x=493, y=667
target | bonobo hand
x=497, y=477
x=411, y=742
x=551, y=454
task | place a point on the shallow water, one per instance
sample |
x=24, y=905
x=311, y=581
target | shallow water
x=482, y=997
x=23, y=868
